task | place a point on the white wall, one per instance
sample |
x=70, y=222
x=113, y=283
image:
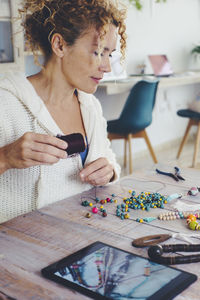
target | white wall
x=170, y=28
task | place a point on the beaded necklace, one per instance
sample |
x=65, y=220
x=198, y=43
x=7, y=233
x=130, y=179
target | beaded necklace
x=173, y=215
x=79, y=273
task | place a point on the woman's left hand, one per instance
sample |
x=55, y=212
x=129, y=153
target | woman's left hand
x=98, y=172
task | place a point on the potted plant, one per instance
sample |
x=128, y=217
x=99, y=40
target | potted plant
x=196, y=50
x=138, y=3
x=196, y=57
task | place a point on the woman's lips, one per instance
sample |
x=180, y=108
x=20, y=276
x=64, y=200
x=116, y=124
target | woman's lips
x=96, y=79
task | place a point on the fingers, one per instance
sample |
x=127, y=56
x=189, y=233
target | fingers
x=51, y=140
x=47, y=149
x=37, y=157
x=46, y=145
x=98, y=172
x=45, y=139
x=34, y=149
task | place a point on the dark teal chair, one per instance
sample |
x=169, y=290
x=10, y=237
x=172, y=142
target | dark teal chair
x=135, y=117
x=194, y=120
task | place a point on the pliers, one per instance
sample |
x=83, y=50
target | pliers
x=176, y=176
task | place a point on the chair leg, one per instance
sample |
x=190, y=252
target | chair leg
x=125, y=151
x=196, y=148
x=190, y=123
x=130, y=154
x=149, y=146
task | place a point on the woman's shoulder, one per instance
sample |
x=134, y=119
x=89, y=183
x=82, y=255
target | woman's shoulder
x=12, y=81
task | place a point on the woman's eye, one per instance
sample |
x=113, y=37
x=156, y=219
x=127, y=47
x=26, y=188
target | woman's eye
x=97, y=54
x=110, y=55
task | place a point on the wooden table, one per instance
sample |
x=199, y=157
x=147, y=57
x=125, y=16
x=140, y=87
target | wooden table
x=32, y=241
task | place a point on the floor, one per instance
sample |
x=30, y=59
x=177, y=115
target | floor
x=166, y=155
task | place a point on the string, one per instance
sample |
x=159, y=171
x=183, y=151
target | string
x=163, y=185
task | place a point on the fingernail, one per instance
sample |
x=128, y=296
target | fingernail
x=82, y=176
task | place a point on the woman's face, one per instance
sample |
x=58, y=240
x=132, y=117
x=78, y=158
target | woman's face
x=83, y=65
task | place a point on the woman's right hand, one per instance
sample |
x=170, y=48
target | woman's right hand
x=30, y=150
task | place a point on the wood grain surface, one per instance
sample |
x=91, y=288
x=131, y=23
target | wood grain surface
x=30, y=242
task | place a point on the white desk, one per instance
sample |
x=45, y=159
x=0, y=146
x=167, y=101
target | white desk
x=124, y=85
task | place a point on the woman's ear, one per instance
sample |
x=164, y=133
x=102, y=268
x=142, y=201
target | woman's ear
x=58, y=45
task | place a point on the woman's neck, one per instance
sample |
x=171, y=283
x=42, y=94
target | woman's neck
x=52, y=87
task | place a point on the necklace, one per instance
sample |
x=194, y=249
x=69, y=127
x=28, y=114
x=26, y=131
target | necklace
x=79, y=271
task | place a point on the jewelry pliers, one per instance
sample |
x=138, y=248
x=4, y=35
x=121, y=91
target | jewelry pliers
x=176, y=176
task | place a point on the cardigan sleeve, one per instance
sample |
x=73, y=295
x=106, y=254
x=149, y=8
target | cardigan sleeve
x=3, y=118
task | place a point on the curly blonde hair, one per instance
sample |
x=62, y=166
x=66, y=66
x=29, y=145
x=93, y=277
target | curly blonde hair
x=70, y=18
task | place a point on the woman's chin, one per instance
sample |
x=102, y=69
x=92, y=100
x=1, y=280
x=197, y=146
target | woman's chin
x=89, y=90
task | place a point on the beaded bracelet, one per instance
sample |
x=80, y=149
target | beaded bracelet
x=173, y=215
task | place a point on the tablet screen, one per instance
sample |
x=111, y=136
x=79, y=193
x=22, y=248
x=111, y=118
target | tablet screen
x=112, y=273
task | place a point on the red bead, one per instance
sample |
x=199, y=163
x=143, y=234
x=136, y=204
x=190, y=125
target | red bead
x=191, y=218
x=95, y=210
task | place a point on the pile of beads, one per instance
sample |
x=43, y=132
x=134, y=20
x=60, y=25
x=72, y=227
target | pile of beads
x=145, y=200
x=192, y=223
x=95, y=209
x=122, y=211
x=173, y=215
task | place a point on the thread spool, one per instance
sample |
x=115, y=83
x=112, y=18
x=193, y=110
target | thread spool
x=75, y=142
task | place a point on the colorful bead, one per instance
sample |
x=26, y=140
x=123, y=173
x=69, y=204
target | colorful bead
x=193, y=191
x=126, y=216
x=193, y=225
x=88, y=215
x=95, y=210
x=191, y=218
x=149, y=219
x=85, y=203
x=173, y=196
x=104, y=214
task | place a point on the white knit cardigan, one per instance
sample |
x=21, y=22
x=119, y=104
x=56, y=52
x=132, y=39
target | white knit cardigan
x=22, y=110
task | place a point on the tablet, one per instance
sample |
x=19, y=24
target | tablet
x=101, y=271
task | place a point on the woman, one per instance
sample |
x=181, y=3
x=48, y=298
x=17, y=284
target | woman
x=77, y=39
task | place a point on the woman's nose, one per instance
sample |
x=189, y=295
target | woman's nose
x=105, y=65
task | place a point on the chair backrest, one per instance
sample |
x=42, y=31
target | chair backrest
x=137, y=112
